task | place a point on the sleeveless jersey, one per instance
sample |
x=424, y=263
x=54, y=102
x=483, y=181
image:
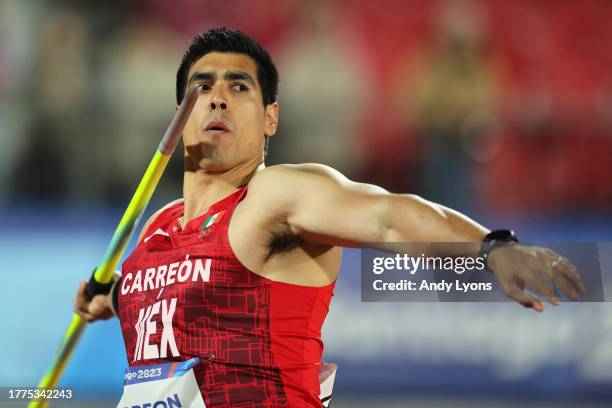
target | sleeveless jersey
x=184, y=294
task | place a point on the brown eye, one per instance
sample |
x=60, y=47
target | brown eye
x=240, y=88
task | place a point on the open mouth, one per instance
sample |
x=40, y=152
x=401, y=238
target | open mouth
x=216, y=127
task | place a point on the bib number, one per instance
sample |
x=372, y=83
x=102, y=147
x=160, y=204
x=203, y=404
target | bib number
x=169, y=385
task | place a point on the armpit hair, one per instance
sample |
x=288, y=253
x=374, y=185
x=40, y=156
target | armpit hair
x=282, y=240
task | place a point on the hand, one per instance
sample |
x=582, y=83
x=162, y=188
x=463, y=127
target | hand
x=517, y=266
x=98, y=308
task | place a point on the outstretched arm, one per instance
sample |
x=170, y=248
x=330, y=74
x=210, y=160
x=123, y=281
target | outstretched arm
x=324, y=207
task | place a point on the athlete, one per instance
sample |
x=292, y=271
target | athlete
x=240, y=271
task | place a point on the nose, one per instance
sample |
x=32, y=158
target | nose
x=218, y=102
x=214, y=105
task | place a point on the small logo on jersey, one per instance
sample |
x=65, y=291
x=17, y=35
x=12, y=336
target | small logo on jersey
x=209, y=222
x=158, y=231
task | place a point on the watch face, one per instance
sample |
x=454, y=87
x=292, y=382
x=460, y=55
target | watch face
x=501, y=235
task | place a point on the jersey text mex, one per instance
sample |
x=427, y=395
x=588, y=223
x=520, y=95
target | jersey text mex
x=184, y=294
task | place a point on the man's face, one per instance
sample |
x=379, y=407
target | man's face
x=228, y=123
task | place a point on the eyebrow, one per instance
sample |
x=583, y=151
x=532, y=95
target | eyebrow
x=230, y=75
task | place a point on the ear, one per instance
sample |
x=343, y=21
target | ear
x=271, y=122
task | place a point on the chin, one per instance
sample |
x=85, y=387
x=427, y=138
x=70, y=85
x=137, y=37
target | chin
x=213, y=165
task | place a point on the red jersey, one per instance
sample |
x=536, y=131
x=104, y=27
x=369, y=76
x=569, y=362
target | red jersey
x=184, y=294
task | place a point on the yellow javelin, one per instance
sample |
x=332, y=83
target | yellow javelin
x=121, y=237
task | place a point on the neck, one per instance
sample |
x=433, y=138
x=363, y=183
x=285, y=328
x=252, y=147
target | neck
x=201, y=188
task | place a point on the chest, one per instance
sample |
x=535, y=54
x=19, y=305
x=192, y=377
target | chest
x=168, y=259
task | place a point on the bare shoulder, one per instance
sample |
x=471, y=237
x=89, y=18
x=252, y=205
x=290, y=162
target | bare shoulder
x=152, y=218
x=274, y=189
x=277, y=186
x=292, y=172
x=291, y=179
x=288, y=179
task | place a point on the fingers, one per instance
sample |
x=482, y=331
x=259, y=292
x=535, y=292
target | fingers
x=565, y=285
x=81, y=302
x=100, y=308
x=525, y=299
x=540, y=283
x=563, y=275
x=569, y=272
x=515, y=290
x=97, y=308
x=539, y=268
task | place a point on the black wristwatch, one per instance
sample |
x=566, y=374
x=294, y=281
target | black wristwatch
x=493, y=240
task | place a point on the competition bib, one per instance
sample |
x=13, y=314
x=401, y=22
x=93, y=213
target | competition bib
x=327, y=374
x=164, y=385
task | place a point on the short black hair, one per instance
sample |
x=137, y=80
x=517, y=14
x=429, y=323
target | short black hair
x=226, y=40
